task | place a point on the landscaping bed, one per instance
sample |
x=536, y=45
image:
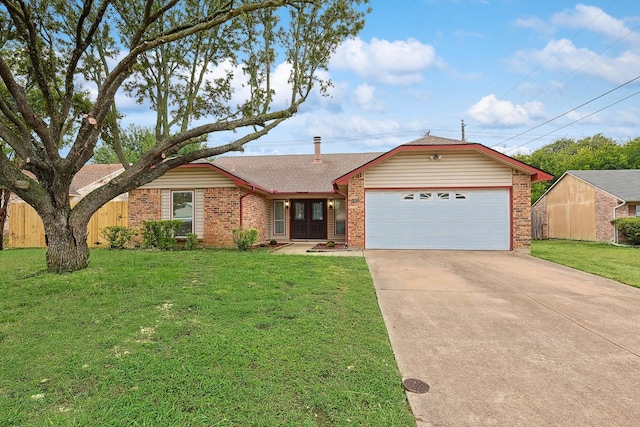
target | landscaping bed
x=326, y=247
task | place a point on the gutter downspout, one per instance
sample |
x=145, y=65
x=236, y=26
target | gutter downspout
x=253, y=190
x=346, y=211
x=615, y=229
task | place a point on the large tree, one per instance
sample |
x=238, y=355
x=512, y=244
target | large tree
x=201, y=66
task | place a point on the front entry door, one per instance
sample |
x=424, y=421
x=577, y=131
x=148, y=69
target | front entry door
x=308, y=219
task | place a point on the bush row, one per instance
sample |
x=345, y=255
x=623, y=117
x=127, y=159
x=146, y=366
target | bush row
x=162, y=235
x=630, y=228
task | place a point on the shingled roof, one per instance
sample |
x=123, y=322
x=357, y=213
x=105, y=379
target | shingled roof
x=293, y=173
x=92, y=173
x=624, y=184
x=436, y=140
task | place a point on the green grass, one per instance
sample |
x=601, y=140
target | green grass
x=614, y=262
x=201, y=338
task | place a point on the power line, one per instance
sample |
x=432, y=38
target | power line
x=573, y=109
x=576, y=121
x=602, y=11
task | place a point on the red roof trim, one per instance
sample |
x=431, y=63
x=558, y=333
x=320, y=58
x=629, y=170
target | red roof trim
x=536, y=174
x=236, y=180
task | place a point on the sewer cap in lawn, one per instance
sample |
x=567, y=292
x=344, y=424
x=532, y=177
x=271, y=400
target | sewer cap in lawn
x=415, y=385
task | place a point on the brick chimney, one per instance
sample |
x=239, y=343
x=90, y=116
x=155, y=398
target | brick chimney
x=316, y=144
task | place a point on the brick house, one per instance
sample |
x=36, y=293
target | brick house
x=581, y=204
x=432, y=193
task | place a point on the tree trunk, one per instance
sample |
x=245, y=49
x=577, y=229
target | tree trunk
x=4, y=206
x=67, y=248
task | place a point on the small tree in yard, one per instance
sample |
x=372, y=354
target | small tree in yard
x=179, y=57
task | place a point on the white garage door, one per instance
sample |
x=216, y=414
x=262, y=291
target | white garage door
x=473, y=219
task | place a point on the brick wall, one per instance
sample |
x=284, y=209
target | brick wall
x=144, y=205
x=221, y=215
x=604, y=206
x=521, y=226
x=254, y=214
x=355, y=212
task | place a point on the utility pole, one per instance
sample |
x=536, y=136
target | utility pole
x=462, y=125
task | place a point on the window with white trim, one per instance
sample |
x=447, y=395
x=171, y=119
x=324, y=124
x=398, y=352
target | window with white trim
x=408, y=196
x=182, y=209
x=461, y=196
x=443, y=196
x=425, y=196
x=278, y=217
x=340, y=216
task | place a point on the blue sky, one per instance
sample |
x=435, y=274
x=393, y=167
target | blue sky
x=505, y=67
x=502, y=66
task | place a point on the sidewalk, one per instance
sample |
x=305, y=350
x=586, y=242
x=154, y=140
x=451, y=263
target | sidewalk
x=301, y=248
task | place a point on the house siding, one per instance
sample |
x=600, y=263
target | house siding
x=418, y=170
x=571, y=210
x=269, y=222
x=356, y=211
x=331, y=226
x=576, y=210
x=521, y=211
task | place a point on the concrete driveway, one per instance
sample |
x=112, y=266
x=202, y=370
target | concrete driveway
x=505, y=339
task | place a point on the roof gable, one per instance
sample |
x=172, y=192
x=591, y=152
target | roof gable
x=437, y=145
x=624, y=184
x=94, y=175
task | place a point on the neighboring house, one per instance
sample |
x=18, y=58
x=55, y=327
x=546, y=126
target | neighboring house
x=581, y=204
x=88, y=178
x=25, y=228
x=432, y=193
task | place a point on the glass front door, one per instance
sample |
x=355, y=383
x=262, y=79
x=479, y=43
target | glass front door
x=308, y=219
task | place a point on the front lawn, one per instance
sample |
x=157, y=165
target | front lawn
x=614, y=262
x=197, y=338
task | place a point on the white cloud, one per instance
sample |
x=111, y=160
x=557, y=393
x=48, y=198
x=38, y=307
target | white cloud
x=564, y=55
x=364, y=97
x=492, y=111
x=398, y=62
x=595, y=19
x=535, y=24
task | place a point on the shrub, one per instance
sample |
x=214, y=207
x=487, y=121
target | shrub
x=630, y=227
x=191, y=242
x=118, y=236
x=160, y=234
x=331, y=244
x=273, y=242
x=244, y=238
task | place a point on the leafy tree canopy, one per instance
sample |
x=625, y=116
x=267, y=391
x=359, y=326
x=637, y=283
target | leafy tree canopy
x=591, y=153
x=201, y=66
x=134, y=142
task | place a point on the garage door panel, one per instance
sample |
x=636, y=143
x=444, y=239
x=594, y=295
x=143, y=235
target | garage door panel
x=478, y=221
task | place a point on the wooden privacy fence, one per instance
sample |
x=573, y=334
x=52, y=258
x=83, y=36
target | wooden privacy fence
x=537, y=225
x=27, y=231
